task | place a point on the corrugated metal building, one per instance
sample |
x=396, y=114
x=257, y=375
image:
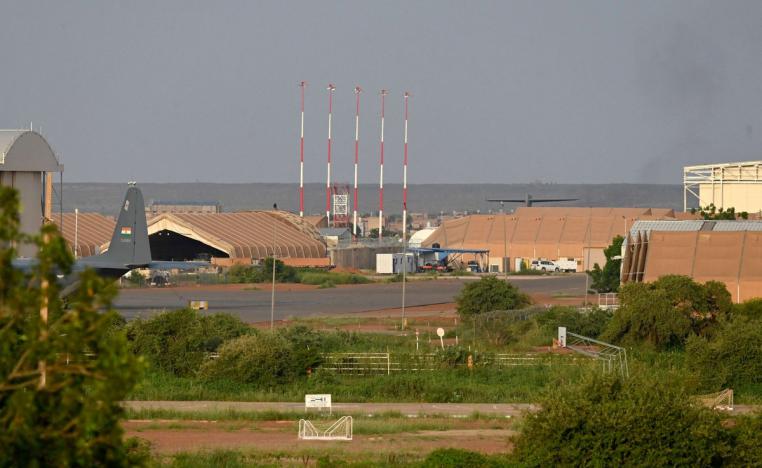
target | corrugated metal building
x=242, y=237
x=28, y=164
x=250, y=235
x=89, y=232
x=726, y=251
x=579, y=234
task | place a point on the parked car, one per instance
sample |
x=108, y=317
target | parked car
x=474, y=267
x=544, y=265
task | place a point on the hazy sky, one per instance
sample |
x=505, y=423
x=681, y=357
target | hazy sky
x=557, y=91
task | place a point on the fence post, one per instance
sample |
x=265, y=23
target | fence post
x=388, y=363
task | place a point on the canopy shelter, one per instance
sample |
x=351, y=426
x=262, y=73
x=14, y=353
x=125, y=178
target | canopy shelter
x=450, y=257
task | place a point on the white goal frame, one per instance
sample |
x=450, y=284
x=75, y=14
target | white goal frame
x=340, y=430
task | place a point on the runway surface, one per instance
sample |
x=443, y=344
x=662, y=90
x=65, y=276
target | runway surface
x=254, y=305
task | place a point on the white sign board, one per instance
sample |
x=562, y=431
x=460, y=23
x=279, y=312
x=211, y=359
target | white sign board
x=562, y=337
x=317, y=401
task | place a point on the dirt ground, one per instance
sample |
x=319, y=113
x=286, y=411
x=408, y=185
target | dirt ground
x=272, y=436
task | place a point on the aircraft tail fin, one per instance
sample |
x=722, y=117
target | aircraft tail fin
x=129, y=243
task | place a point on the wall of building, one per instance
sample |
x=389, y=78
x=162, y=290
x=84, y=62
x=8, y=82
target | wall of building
x=29, y=187
x=358, y=257
x=741, y=196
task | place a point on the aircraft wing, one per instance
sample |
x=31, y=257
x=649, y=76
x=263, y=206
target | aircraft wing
x=166, y=265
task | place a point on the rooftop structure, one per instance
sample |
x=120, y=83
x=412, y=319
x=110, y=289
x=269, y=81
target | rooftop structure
x=726, y=185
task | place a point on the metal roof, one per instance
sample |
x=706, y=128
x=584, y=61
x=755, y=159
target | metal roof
x=740, y=225
x=26, y=151
x=695, y=225
x=93, y=232
x=186, y=202
x=333, y=232
x=665, y=225
x=248, y=234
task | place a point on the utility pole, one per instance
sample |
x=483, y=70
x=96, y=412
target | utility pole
x=76, y=231
x=358, y=90
x=272, y=288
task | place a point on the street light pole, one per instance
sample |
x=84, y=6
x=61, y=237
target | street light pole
x=272, y=289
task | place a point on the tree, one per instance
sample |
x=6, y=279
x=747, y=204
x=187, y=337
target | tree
x=607, y=278
x=711, y=212
x=63, y=371
x=730, y=358
x=488, y=294
x=666, y=312
x=610, y=421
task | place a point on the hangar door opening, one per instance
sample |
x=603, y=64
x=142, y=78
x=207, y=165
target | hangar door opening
x=170, y=246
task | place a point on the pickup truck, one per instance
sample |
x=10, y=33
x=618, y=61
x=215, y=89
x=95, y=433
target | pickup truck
x=569, y=266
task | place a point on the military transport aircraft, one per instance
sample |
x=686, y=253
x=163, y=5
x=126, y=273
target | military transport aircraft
x=129, y=248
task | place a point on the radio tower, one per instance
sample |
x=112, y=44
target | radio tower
x=302, y=85
x=331, y=88
x=381, y=176
x=358, y=90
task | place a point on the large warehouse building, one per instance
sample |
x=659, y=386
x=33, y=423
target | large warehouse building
x=28, y=164
x=226, y=238
x=552, y=233
x=725, y=185
x=726, y=251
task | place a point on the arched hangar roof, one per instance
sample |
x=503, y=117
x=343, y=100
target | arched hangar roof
x=249, y=234
x=26, y=151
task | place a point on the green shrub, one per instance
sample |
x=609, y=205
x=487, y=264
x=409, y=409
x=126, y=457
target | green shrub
x=751, y=308
x=732, y=357
x=322, y=277
x=591, y=323
x=262, y=273
x=455, y=458
x=264, y=359
x=664, y=313
x=488, y=294
x=245, y=274
x=610, y=421
x=178, y=341
x=747, y=447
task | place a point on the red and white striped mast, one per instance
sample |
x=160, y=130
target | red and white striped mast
x=358, y=90
x=404, y=178
x=381, y=176
x=302, y=85
x=331, y=88
x=404, y=217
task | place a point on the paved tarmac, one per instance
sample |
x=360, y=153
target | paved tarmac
x=254, y=305
x=407, y=409
x=458, y=410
